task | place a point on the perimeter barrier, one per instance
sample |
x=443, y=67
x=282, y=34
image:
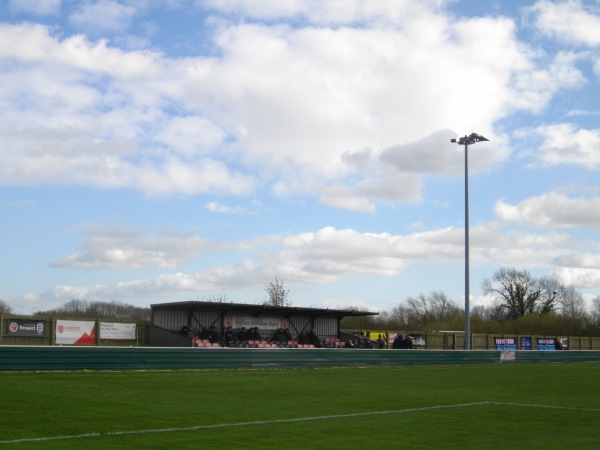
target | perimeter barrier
x=54, y=358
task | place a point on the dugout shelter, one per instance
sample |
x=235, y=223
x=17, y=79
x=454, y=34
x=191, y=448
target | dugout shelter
x=168, y=319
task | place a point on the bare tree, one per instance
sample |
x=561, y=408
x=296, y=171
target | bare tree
x=518, y=293
x=488, y=313
x=421, y=311
x=74, y=308
x=400, y=316
x=277, y=294
x=515, y=291
x=553, y=294
x=595, y=313
x=419, y=308
x=220, y=298
x=4, y=308
x=572, y=303
x=442, y=307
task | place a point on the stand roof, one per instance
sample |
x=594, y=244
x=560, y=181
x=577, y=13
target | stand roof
x=224, y=308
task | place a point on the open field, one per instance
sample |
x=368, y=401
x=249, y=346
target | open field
x=524, y=406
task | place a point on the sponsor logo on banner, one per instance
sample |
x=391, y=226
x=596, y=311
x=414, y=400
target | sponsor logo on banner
x=75, y=332
x=26, y=327
x=526, y=343
x=506, y=343
x=545, y=344
x=264, y=323
x=227, y=321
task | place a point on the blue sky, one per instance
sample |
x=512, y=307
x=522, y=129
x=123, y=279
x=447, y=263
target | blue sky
x=156, y=151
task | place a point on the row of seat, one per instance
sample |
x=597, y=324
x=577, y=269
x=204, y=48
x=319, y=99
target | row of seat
x=253, y=343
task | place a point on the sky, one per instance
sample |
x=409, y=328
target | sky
x=154, y=151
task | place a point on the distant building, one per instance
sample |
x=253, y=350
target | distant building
x=168, y=319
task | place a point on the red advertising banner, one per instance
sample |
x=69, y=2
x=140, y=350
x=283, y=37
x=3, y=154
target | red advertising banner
x=75, y=332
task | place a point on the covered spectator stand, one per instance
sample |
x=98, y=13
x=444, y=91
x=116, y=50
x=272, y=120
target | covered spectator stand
x=196, y=323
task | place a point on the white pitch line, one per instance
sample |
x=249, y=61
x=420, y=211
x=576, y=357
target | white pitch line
x=238, y=424
x=294, y=420
x=533, y=405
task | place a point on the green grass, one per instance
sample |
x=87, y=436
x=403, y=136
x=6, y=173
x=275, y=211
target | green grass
x=468, y=407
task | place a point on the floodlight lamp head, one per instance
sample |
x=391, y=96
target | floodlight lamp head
x=468, y=140
x=474, y=137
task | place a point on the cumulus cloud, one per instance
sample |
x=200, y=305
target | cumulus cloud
x=538, y=86
x=35, y=7
x=218, y=207
x=102, y=15
x=578, y=277
x=191, y=135
x=568, y=21
x=433, y=155
x=287, y=104
x=333, y=12
x=324, y=256
x=568, y=144
x=349, y=102
x=552, y=210
x=125, y=248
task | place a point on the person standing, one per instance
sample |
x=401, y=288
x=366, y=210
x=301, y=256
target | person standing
x=398, y=342
x=557, y=344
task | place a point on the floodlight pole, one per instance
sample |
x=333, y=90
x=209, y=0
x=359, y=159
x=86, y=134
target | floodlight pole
x=471, y=139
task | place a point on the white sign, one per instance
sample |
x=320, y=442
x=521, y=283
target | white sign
x=75, y=332
x=117, y=330
x=507, y=355
x=264, y=323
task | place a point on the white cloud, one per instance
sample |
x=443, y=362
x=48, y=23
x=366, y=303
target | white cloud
x=435, y=155
x=578, y=277
x=175, y=175
x=109, y=164
x=295, y=106
x=35, y=7
x=346, y=197
x=349, y=102
x=103, y=15
x=568, y=144
x=125, y=248
x=333, y=12
x=324, y=256
x=579, y=260
x=218, y=207
x=553, y=210
x=581, y=112
x=537, y=87
x=33, y=44
x=191, y=135
x=568, y=21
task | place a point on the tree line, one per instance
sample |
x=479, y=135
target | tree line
x=522, y=304
x=80, y=309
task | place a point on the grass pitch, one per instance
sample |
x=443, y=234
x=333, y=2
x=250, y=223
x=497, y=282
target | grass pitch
x=546, y=406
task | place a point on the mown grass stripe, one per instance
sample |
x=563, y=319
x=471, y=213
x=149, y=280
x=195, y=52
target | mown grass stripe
x=239, y=424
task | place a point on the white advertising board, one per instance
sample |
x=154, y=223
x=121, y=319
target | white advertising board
x=125, y=331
